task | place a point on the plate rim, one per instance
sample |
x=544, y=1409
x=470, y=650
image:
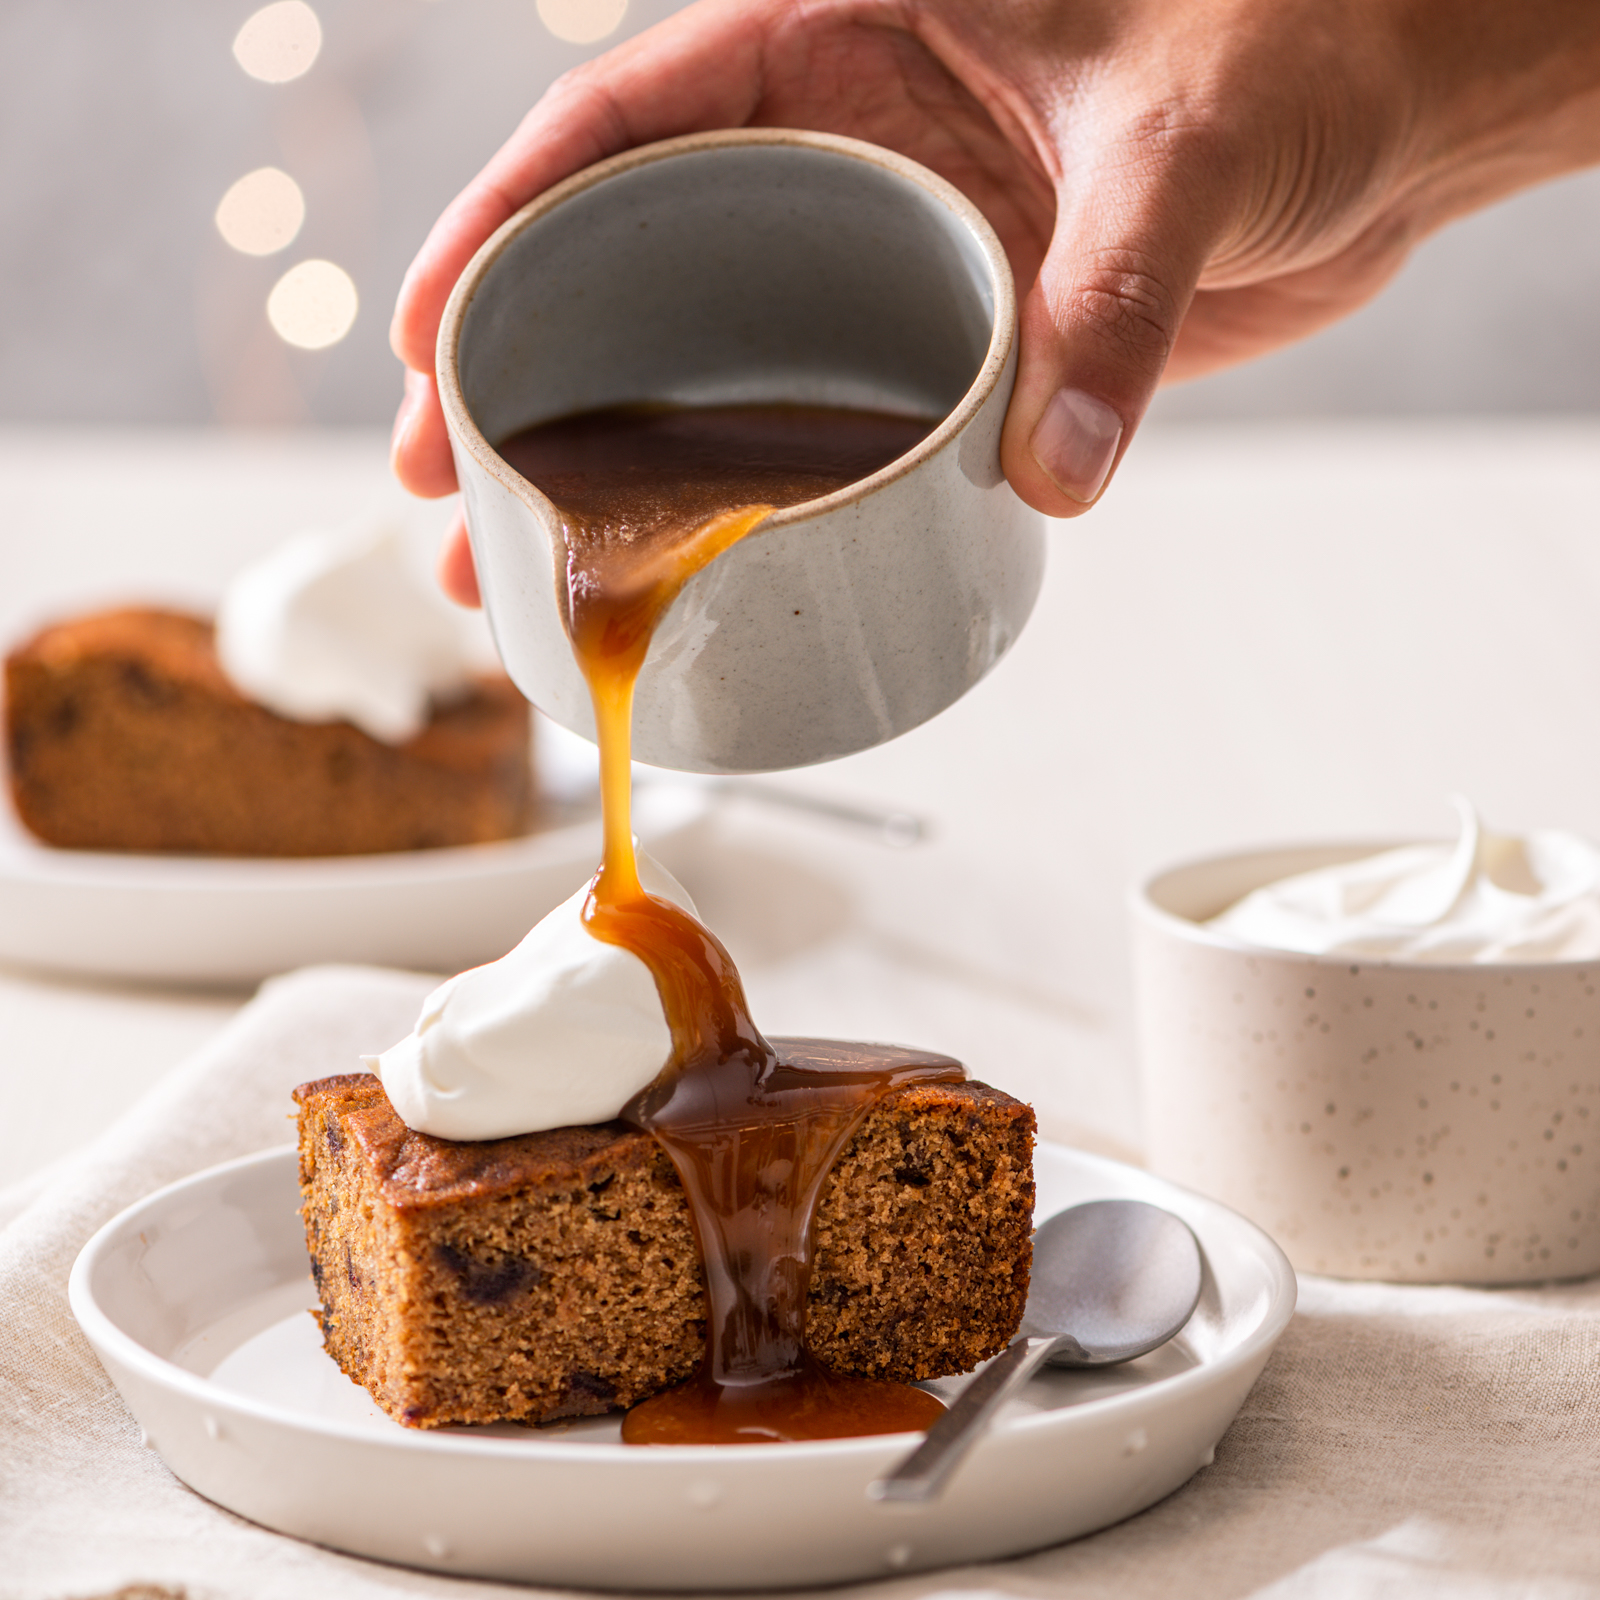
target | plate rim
x=101, y=1330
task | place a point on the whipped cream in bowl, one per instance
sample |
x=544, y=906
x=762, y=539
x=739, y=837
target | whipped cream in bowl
x=338, y=626
x=562, y=1031
x=1486, y=898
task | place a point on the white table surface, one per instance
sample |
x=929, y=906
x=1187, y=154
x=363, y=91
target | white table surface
x=1266, y=633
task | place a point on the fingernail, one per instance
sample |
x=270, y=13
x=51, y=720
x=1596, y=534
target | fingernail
x=1076, y=442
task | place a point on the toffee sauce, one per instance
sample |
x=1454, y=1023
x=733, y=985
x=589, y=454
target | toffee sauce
x=648, y=496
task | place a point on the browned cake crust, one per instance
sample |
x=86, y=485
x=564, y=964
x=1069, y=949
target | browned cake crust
x=123, y=734
x=556, y=1274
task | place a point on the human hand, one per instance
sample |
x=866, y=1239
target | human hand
x=1179, y=184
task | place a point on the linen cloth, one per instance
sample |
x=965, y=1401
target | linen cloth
x=1402, y=1441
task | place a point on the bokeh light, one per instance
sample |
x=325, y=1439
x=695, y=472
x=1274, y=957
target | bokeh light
x=582, y=21
x=313, y=305
x=279, y=42
x=262, y=212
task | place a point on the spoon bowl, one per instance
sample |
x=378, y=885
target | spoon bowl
x=1111, y=1280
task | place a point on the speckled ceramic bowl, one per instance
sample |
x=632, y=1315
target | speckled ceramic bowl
x=1416, y=1123
x=758, y=265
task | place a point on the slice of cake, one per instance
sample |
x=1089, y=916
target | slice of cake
x=556, y=1274
x=124, y=733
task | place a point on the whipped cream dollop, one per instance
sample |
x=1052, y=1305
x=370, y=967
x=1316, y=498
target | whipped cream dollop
x=1488, y=897
x=336, y=626
x=564, y=1030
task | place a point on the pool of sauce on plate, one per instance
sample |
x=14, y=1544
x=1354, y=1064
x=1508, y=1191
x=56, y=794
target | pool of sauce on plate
x=648, y=496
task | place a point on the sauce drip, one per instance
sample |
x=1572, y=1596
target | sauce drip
x=648, y=496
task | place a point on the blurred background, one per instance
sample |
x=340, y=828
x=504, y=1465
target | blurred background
x=206, y=209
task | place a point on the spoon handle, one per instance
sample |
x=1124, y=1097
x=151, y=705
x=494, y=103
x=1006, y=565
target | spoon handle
x=924, y=1473
x=895, y=828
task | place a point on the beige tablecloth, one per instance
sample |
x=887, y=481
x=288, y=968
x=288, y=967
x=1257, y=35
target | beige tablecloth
x=1402, y=1442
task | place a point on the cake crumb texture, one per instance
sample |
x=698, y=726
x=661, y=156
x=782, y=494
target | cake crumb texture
x=556, y=1274
x=123, y=733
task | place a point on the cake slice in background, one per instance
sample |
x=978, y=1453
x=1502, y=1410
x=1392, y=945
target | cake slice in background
x=123, y=733
x=332, y=710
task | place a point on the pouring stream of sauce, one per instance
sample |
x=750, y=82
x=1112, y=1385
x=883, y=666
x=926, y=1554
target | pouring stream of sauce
x=648, y=496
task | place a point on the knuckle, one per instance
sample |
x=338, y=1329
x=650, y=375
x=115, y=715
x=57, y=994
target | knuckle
x=585, y=96
x=1124, y=295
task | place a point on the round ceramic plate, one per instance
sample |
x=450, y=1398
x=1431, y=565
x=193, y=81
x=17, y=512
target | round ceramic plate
x=197, y=1298
x=203, y=919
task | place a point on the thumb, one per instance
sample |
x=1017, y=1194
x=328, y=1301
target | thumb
x=1096, y=330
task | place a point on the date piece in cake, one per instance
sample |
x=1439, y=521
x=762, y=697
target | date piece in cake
x=556, y=1274
x=123, y=733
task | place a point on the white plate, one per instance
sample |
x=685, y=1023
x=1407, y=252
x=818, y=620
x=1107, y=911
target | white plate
x=195, y=1300
x=207, y=919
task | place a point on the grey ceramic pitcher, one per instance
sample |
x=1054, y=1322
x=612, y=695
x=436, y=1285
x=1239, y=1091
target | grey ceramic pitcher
x=758, y=265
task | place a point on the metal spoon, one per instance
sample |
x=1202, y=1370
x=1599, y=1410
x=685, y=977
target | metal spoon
x=897, y=829
x=1111, y=1280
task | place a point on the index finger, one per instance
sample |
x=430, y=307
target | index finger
x=700, y=69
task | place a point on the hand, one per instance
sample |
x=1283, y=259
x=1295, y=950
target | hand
x=1180, y=184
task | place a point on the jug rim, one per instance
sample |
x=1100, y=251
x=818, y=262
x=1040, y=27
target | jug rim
x=1003, y=322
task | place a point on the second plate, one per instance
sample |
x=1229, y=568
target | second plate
x=203, y=919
